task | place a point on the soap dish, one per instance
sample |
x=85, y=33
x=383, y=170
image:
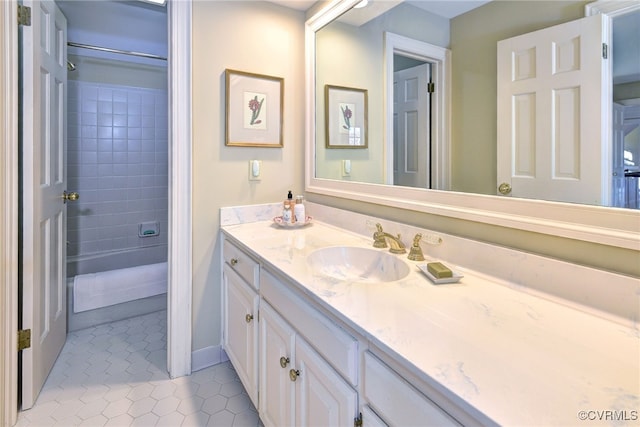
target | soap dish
x=454, y=279
x=280, y=223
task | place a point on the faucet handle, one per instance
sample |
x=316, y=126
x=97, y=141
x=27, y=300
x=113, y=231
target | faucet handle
x=379, y=240
x=415, y=254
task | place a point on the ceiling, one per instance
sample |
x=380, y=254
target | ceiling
x=446, y=8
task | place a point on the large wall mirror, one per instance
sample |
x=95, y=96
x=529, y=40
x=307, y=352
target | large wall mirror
x=349, y=48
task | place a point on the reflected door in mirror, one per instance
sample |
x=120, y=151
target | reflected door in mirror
x=411, y=122
x=550, y=141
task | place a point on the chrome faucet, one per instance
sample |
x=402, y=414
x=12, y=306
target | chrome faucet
x=381, y=237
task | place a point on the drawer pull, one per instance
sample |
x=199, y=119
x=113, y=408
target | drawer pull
x=233, y=261
x=284, y=361
x=294, y=374
x=248, y=318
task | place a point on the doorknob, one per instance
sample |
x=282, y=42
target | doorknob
x=72, y=197
x=504, y=188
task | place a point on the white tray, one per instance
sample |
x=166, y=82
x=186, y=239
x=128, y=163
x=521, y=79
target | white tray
x=454, y=279
x=280, y=223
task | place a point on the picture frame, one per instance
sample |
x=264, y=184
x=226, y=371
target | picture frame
x=253, y=109
x=346, y=117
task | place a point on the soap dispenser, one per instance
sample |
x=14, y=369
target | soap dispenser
x=287, y=212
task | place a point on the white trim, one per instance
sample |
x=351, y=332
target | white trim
x=606, y=226
x=611, y=8
x=440, y=58
x=9, y=213
x=179, y=303
x=208, y=356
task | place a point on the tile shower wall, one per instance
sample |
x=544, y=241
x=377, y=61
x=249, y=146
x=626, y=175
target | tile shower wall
x=117, y=160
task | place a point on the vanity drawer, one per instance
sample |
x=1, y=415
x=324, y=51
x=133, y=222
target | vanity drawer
x=335, y=345
x=241, y=263
x=397, y=401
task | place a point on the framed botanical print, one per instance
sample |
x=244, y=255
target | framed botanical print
x=345, y=117
x=254, y=105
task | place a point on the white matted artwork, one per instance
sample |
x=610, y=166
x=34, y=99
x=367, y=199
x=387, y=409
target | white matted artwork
x=345, y=117
x=254, y=105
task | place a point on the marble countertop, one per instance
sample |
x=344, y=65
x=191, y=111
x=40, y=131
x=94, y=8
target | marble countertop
x=516, y=358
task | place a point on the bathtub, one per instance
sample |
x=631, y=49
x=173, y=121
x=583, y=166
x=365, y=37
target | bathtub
x=112, y=263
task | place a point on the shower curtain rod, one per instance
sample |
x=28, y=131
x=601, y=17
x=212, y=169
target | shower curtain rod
x=123, y=52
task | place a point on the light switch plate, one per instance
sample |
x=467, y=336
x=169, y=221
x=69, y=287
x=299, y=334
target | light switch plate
x=255, y=170
x=346, y=168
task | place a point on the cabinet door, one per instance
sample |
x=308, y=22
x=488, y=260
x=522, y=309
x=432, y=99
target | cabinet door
x=241, y=331
x=276, y=405
x=396, y=401
x=323, y=398
x=370, y=418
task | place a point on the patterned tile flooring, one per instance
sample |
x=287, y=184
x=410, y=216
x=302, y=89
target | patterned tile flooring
x=115, y=375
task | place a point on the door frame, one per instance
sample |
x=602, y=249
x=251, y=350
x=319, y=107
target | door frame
x=9, y=213
x=180, y=189
x=180, y=229
x=440, y=58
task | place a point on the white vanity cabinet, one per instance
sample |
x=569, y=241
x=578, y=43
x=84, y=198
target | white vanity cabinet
x=298, y=386
x=396, y=401
x=240, y=334
x=300, y=366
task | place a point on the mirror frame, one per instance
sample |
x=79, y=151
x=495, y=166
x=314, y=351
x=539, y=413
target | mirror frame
x=602, y=225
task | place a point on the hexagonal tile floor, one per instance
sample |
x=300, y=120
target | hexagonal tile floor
x=115, y=375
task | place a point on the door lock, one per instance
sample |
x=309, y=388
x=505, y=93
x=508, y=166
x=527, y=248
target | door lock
x=504, y=188
x=72, y=196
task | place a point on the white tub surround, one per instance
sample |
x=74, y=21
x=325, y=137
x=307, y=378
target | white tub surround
x=496, y=346
x=96, y=290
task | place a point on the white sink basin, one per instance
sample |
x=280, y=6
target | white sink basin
x=354, y=264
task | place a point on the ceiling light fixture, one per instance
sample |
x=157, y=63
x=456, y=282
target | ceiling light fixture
x=362, y=4
x=156, y=2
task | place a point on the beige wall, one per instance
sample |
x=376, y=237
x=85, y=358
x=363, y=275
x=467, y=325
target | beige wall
x=353, y=56
x=349, y=57
x=257, y=37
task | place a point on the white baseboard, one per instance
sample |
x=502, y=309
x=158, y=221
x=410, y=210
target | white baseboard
x=208, y=356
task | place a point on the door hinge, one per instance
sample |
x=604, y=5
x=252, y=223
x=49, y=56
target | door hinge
x=357, y=422
x=431, y=87
x=24, y=339
x=24, y=15
x=605, y=51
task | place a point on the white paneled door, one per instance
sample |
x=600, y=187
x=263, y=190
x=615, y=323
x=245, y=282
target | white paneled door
x=411, y=116
x=44, y=88
x=552, y=123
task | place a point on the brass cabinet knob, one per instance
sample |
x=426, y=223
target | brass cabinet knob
x=504, y=188
x=248, y=318
x=294, y=374
x=233, y=261
x=284, y=361
x=72, y=197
